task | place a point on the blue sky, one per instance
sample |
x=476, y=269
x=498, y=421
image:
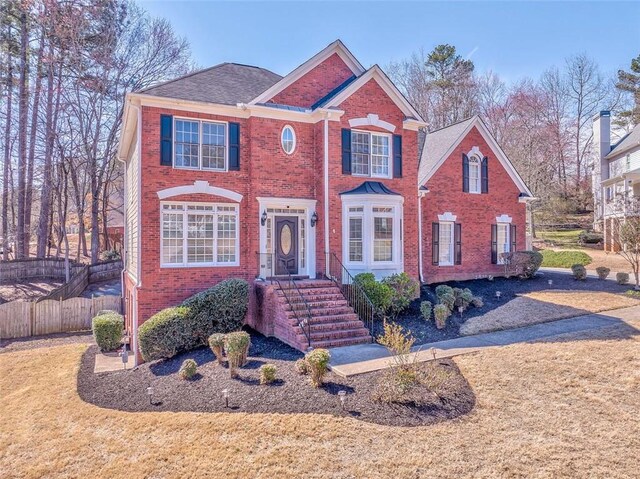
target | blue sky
x=514, y=39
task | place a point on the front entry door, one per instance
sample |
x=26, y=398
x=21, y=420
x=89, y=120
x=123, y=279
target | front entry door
x=286, y=245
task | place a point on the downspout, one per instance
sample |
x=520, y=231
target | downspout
x=326, y=194
x=420, y=236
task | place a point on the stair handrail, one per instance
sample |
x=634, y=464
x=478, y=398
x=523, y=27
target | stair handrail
x=352, y=291
x=301, y=323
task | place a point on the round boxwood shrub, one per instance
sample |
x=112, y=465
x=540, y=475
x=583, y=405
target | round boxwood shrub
x=622, y=278
x=531, y=262
x=236, y=345
x=216, y=343
x=220, y=309
x=425, y=309
x=603, y=272
x=318, y=361
x=107, y=329
x=188, y=369
x=267, y=373
x=579, y=272
x=441, y=312
x=166, y=333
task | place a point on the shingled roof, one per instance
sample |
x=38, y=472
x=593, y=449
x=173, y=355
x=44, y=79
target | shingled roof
x=628, y=142
x=225, y=84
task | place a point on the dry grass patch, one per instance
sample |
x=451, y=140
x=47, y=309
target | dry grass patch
x=570, y=413
x=543, y=306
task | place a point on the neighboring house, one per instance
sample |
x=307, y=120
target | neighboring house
x=234, y=171
x=473, y=204
x=616, y=178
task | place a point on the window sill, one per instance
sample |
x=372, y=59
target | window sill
x=188, y=168
x=199, y=265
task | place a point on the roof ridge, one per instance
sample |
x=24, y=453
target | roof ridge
x=454, y=124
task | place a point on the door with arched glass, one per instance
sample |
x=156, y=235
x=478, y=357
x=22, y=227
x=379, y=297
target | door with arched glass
x=286, y=245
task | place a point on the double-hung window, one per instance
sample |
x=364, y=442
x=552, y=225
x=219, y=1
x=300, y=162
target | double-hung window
x=445, y=241
x=474, y=175
x=370, y=154
x=200, y=145
x=373, y=234
x=502, y=239
x=382, y=233
x=199, y=234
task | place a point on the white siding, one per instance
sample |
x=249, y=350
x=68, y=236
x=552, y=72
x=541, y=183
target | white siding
x=132, y=212
x=619, y=165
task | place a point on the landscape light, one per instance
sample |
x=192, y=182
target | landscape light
x=433, y=352
x=460, y=310
x=550, y=282
x=150, y=394
x=498, y=294
x=342, y=394
x=225, y=394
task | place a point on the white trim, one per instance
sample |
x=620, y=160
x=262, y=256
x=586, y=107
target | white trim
x=452, y=240
x=372, y=120
x=199, y=187
x=390, y=157
x=476, y=156
x=200, y=122
x=500, y=155
x=139, y=134
x=293, y=134
x=503, y=219
x=376, y=73
x=309, y=206
x=335, y=47
x=447, y=216
x=326, y=195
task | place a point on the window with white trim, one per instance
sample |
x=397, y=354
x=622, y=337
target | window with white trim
x=355, y=234
x=382, y=234
x=288, y=139
x=370, y=154
x=200, y=145
x=199, y=234
x=371, y=235
x=475, y=175
x=445, y=242
x=502, y=240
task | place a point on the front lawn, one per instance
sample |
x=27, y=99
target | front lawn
x=561, y=238
x=560, y=409
x=564, y=259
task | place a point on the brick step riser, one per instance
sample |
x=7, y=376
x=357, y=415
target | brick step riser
x=335, y=318
x=316, y=298
x=308, y=285
x=326, y=327
x=316, y=305
x=293, y=293
x=319, y=312
x=335, y=343
x=347, y=333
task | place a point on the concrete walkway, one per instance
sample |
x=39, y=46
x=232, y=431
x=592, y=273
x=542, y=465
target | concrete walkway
x=363, y=358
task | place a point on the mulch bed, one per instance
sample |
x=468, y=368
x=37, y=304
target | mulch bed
x=46, y=341
x=426, y=331
x=291, y=393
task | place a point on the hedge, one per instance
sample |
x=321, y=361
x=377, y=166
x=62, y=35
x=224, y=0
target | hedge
x=166, y=333
x=107, y=329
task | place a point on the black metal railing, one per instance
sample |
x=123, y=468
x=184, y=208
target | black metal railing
x=352, y=291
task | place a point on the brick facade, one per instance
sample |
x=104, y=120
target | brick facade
x=475, y=212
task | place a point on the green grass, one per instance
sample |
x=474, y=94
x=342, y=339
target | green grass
x=633, y=293
x=564, y=259
x=560, y=238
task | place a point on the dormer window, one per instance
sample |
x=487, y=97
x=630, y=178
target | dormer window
x=370, y=154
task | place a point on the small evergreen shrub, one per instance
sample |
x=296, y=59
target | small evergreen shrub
x=110, y=255
x=216, y=343
x=530, y=263
x=477, y=302
x=318, y=361
x=441, y=312
x=462, y=298
x=302, y=367
x=166, y=333
x=590, y=238
x=236, y=345
x=603, y=272
x=425, y=309
x=379, y=293
x=579, y=272
x=267, y=373
x=403, y=290
x=188, y=369
x=622, y=278
x=443, y=289
x=107, y=330
x=449, y=300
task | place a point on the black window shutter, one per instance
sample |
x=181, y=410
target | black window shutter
x=458, y=243
x=494, y=244
x=485, y=175
x=166, y=140
x=465, y=173
x=397, y=156
x=513, y=239
x=435, y=243
x=346, y=151
x=234, y=146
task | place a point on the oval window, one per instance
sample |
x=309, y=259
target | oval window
x=288, y=139
x=285, y=239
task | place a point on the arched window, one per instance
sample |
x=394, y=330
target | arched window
x=474, y=174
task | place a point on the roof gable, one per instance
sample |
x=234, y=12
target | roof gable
x=336, y=48
x=440, y=144
x=630, y=141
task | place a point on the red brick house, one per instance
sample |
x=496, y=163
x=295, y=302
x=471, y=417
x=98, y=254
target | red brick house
x=234, y=171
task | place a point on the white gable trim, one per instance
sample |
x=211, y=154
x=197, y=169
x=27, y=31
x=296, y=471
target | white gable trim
x=376, y=73
x=495, y=148
x=199, y=187
x=503, y=219
x=372, y=120
x=336, y=47
x=448, y=216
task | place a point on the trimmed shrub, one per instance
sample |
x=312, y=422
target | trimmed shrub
x=425, y=309
x=107, y=329
x=590, y=238
x=463, y=298
x=564, y=259
x=404, y=289
x=449, y=300
x=441, y=312
x=622, y=278
x=477, y=302
x=216, y=343
x=267, y=373
x=603, y=272
x=188, y=369
x=220, y=309
x=318, y=361
x=379, y=293
x=531, y=264
x=166, y=333
x=579, y=272
x=236, y=345
x=302, y=367
x=442, y=290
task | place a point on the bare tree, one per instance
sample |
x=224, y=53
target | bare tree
x=626, y=239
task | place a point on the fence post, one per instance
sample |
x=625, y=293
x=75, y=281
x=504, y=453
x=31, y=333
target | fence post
x=32, y=318
x=60, y=315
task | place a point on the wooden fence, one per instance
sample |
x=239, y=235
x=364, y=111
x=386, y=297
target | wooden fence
x=17, y=270
x=19, y=319
x=105, y=271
